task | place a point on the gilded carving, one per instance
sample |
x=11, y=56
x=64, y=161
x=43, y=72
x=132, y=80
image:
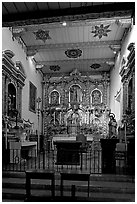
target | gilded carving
x=76, y=105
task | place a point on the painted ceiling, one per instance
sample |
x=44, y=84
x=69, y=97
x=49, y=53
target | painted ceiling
x=89, y=41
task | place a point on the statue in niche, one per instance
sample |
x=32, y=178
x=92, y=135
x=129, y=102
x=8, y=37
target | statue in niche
x=75, y=94
x=54, y=98
x=96, y=97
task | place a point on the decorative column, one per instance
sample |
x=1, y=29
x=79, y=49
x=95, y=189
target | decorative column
x=3, y=94
x=133, y=95
x=105, y=95
x=63, y=91
x=45, y=106
x=125, y=95
x=19, y=100
x=6, y=109
x=7, y=80
x=88, y=93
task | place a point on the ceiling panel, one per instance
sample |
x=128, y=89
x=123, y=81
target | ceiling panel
x=10, y=7
x=42, y=5
x=53, y=5
x=64, y=5
x=32, y=6
x=4, y=10
x=77, y=34
x=75, y=4
x=21, y=6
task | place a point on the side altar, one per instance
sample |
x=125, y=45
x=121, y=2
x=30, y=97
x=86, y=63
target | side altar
x=75, y=104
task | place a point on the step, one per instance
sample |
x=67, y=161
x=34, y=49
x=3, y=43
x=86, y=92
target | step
x=94, y=186
x=93, y=177
x=115, y=197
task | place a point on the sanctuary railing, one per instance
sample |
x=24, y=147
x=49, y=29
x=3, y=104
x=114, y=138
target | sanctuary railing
x=85, y=160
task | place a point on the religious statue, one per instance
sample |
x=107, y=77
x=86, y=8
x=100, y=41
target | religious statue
x=112, y=126
x=75, y=94
x=96, y=97
x=54, y=98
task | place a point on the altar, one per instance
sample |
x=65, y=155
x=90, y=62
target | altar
x=68, y=152
x=74, y=109
x=66, y=137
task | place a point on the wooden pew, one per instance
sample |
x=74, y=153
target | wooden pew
x=74, y=176
x=39, y=174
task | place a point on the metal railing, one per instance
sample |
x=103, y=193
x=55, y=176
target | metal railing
x=84, y=160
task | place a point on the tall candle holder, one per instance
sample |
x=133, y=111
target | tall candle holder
x=38, y=114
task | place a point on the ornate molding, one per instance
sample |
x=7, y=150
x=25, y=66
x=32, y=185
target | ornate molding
x=88, y=15
x=11, y=69
x=74, y=45
x=54, y=68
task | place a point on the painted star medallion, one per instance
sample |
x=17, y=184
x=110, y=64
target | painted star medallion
x=42, y=35
x=101, y=31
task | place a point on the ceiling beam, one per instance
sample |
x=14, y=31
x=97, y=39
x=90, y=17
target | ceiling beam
x=74, y=45
x=109, y=61
x=124, y=21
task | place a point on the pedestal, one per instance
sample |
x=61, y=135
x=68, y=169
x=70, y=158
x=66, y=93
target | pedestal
x=108, y=155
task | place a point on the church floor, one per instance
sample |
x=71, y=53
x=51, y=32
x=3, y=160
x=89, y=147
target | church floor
x=103, y=188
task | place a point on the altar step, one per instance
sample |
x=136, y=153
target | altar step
x=103, y=188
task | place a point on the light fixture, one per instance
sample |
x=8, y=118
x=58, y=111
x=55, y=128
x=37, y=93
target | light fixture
x=64, y=23
x=115, y=48
x=39, y=66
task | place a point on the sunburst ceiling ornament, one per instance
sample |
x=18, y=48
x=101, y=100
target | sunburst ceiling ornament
x=101, y=31
x=55, y=68
x=42, y=35
x=95, y=66
x=73, y=53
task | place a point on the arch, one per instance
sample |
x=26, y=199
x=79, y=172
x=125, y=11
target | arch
x=96, y=96
x=54, y=97
x=9, y=53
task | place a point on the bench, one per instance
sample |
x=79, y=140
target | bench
x=77, y=176
x=39, y=174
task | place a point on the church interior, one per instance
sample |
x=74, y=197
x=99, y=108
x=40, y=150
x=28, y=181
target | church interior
x=68, y=79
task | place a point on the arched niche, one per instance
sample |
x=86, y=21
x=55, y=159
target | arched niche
x=75, y=93
x=54, y=97
x=13, y=81
x=96, y=97
x=12, y=96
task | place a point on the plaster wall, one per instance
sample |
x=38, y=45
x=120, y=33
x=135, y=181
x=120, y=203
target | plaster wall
x=115, y=79
x=31, y=74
